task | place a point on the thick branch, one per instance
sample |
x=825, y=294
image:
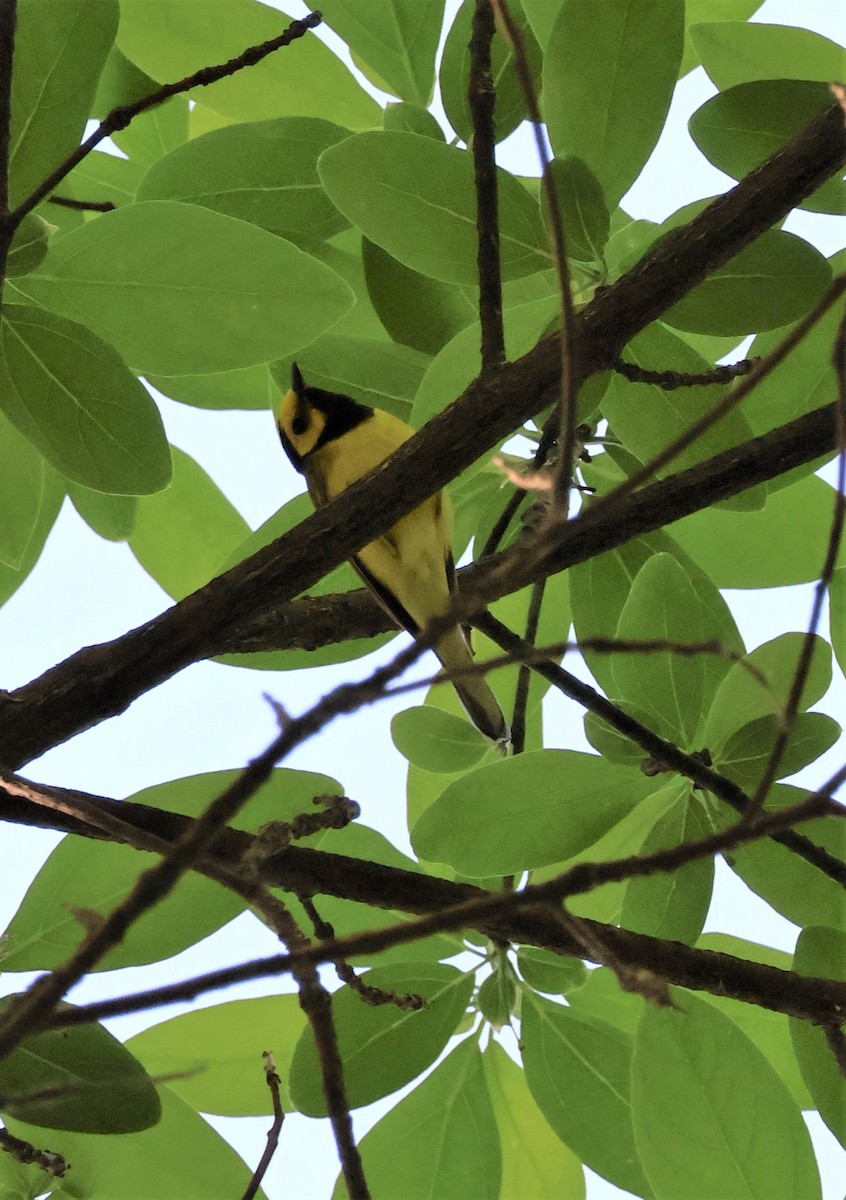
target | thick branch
x=103, y=680
x=311, y=872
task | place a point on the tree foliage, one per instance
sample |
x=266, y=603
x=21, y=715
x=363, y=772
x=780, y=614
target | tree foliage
x=266, y=208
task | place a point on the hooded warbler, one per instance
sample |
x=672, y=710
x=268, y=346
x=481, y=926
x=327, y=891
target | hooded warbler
x=333, y=440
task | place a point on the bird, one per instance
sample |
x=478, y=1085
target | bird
x=334, y=440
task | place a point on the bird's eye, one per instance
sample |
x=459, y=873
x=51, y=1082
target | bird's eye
x=299, y=425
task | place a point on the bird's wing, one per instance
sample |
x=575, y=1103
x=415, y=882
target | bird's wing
x=387, y=599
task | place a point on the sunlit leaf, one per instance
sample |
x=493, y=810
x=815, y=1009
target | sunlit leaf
x=383, y=1047
x=415, y=198
x=524, y=812
x=736, y=130
x=70, y=394
x=98, y=1085
x=578, y=1072
x=711, y=1116
x=609, y=73
x=182, y=290
x=448, y=1135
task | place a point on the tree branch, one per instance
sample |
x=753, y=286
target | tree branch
x=300, y=870
x=103, y=680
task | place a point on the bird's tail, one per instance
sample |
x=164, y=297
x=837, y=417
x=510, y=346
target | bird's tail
x=480, y=704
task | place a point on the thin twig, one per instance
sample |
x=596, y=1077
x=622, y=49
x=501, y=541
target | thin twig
x=482, y=102
x=121, y=116
x=803, y=666
x=569, y=374
x=8, y=22
x=670, y=380
x=274, y=1083
x=82, y=205
x=521, y=698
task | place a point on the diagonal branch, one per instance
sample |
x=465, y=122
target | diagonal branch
x=301, y=870
x=68, y=698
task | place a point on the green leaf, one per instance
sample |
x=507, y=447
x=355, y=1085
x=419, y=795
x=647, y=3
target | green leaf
x=535, y=1164
x=541, y=16
x=89, y=877
x=742, y=697
x=181, y=290
x=398, y=40
x=29, y=245
x=582, y=209
x=171, y=39
x=548, y=972
x=769, y=1030
x=436, y=740
x=19, y=477
x=600, y=588
x=837, y=603
x=605, y=903
x=646, y=418
x=21, y=494
x=538, y=808
x=447, y=1134
x=383, y=1047
x=454, y=75
x=112, y=1169
x=415, y=198
x=784, y=544
x=215, y=1053
x=497, y=995
x=794, y=887
x=711, y=1116
x=578, y=1073
x=59, y=53
x=735, y=52
x=183, y=534
x=803, y=382
x=70, y=394
x=821, y=952
x=247, y=387
x=411, y=118
x=609, y=73
x=112, y=517
x=747, y=751
x=611, y=744
x=603, y=999
x=264, y=172
x=770, y=283
x=417, y=311
x=449, y=373
x=100, y=1086
x=738, y=129
x=697, y=11
x=673, y=904
x=675, y=689
x=379, y=373
x=102, y=178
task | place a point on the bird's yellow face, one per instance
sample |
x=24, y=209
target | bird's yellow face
x=300, y=426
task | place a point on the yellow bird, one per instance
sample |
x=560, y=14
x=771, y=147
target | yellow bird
x=333, y=441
